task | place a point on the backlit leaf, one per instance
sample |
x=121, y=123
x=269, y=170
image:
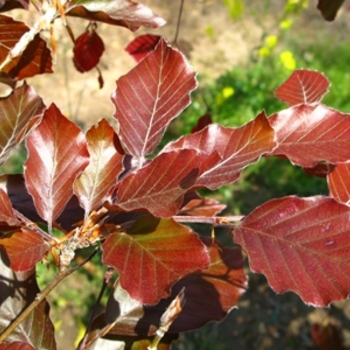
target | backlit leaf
x=307, y=134
x=150, y=96
x=303, y=87
x=202, y=207
x=329, y=8
x=16, y=346
x=153, y=255
x=36, y=58
x=19, y=289
x=88, y=49
x=339, y=183
x=160, y=186
x=57, y=154
x=105, y=164
x=21, y=107
x=141, y=46
x=124, y=13
x=6, y=212
x=300, y=245
x=24, y=249
x=238, y=148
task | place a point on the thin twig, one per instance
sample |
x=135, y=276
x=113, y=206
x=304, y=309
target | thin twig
x=178, y=22
x=41, y=296
x=216, y=220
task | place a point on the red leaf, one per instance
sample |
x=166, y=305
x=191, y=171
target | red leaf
x=202, y=207
x=160, y=186
x=124, y=13
x=320, y=170
x=303, y=87
x=92, y=186
x=307, y=134
x=6, y=211
x=327, y=337
x=202, y=122
x=238, y=148
x=88, y=49
x=36, y=58
x=57, y=155
x=17, y=345
x=150, y=96
x=8, y=5
x=141, y=46
x=24, y=249
x=329, y=8
x=153, y=255
x=339, y=184
x=18, y=111
x=302, y=245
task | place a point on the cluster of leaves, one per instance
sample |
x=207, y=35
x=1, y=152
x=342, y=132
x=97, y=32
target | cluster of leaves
x=111, y=190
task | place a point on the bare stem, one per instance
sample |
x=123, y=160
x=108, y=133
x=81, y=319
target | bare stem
x=40, y=297
x=178, y=22
x=216, y=220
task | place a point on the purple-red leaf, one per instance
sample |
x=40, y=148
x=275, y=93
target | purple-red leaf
x=238, y=148
x=329, y=8
x=303, y=87
x=202, y=207
x=141, y=46
x=160, y=186
x=339, y=184
x=20, y=111
x=202, y=122
x=57, y=154
x=18, y=290
x=17, y=345
x=92, y=186
x=150, y=96
x=153, y=255
x=300, y=245
x=307, y=134
x=24, y=249
x=35, y=59
x=124, y=13
x=88, y=49
x=7, y=5
x=6, y=211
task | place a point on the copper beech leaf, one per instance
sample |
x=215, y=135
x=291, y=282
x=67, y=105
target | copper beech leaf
x=124, y=13
x=24, y=249
x=92, y=186
x=339, y=184
x=202, y=207
x=88, y=49
x=153, y=255
x=307, y=134
x=57, y=154
x=210, y=294
x=17, y=345
x=329, y=8
x=238, y=148
x=160, y=186
x=6, y=211
x=300, y=245
x=7, y=5
x=35, y=59
x=303, y=87
x=18, y=290
x=150, y=96
x=141, y=46
x=20, y=112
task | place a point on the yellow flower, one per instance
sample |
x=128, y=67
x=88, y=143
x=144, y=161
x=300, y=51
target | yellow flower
x=287, y=59
x=228, y=91
x=271, y=41
x=264, y=52
x=286, y=24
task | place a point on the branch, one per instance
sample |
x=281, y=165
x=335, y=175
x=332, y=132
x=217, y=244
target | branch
x=215, y=220
x=41, y=296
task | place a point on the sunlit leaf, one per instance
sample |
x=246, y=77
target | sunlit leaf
x=202, y=207
x=88, y=49
x=17, y=291
x=150, y=96
x=153, y=255
x=36, y=58
x=307, y=134
x=339, y=183
x=6, y=211
x=300, y=245
x=142, y=45
x=17, y=112
x=124, y=13
x=238, y=148
x=160, y=186
x=24, y=249
x=329, y=8
x=16, y=346
x=57, y=154
x=303, y=87
x=105, y=164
